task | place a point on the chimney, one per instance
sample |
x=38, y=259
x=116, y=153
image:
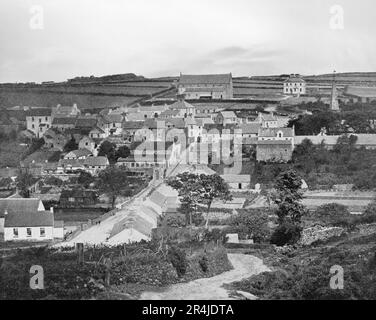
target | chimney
x=52, y=209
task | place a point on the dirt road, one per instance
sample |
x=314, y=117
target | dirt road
x=211, y=288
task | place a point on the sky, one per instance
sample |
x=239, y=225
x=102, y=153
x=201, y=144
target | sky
x=53, y=40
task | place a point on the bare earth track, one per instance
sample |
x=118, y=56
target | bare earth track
x=211, y=288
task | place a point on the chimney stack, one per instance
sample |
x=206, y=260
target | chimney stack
x=52, y=209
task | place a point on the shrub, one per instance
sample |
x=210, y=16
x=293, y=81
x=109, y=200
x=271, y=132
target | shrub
x=253, y=224
x=204, y=263
x=178, y=260
x=286, y=233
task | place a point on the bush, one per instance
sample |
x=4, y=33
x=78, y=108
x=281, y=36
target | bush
x=252, y=224
x=286, y=234
x=178, y=260
x=204, y=263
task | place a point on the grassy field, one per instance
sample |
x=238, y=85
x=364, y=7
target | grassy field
x=11, y=153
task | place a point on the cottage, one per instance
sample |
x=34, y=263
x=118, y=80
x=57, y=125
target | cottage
x=76, y=198
x=185, y=109
x=63, y=124
x=111, y=124
x=211, y=86
x=271, y=120
x=38, y=121
x=80, y=154
x=97, y=133
x=54, y=140
x=226, y=117
x=237, y=182
x=69, y=166
x=168, y=114
x=94, y=165
x=26, y=219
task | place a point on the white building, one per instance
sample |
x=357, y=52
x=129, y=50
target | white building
x=27, y=219
x=294, y=86
x=38, y=121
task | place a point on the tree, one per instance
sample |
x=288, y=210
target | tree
x=113, y=182
x=24, y=181
x=288, y=196
x=123, y=152
x=71, y=145
x=108, y=149
x=199, y=189
x=85, y=178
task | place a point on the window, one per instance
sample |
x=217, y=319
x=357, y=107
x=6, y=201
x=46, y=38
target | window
x=15, y=232
x=28, y=232
x=42, y=232
x=240, y=186
x=32, y=126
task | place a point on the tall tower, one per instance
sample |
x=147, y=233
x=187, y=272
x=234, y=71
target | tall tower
x=334, y=105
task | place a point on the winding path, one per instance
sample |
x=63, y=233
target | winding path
x=211, y=288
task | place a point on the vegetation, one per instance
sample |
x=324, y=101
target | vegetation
x=199, y=189
x=288, y=195
x=24, y=181
x=114, y=182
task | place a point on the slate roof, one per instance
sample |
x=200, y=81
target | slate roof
x=133, y=125
x=186, y=79
x=228, y=114
x=250, y=128
x=64, y=121
x=39, y=112
x=180, y=105
x=96, y=161
x=274, y=142
x=294, y=80
x=20, y=219
x=18, y=205
x=86, y=122
x=273, y=132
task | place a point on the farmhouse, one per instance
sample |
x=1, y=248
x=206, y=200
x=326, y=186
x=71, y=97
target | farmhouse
x=95, y=164
x=80, y=154
x=210, y=86
x=294, y=86
x=226, y=117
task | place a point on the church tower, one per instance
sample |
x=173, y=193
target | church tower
x=334, y=105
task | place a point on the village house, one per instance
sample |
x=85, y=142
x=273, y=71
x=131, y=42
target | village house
x=64, y=124
x=97, y=133
x=194, y=129
x=76, y=198
x=272, y=121
x=185, y=109
x=168, y=114
x=212, y=86
x=54, y=140
x=38, y=121
x=69, y=166
x=130, y=128
x=94, y=165
x=275, y=144
x=65, y=111
x=226, y=117
x=80, y=154
x=84, y=124
x=27, y=219
x=238, y=182
x=295, y=85
x=111, y=124
x=89, y=144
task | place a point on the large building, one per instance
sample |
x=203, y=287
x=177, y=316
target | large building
x=38, y=121
x=275, y=144
x=210, y=86
x=294, y=86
